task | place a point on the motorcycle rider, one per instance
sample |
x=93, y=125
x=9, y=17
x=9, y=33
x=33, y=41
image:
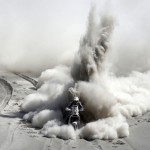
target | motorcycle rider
x=74, y=108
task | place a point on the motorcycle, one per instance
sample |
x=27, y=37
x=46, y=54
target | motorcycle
x=74, y=108
x=73, y=119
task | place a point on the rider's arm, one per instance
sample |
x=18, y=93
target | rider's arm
x=81, y=108
x=70, y=105
x=68, y=108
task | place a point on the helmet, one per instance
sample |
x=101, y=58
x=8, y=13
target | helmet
x=76, y=98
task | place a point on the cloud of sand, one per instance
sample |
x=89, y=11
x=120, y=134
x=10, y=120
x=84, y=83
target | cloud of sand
x=112, y=71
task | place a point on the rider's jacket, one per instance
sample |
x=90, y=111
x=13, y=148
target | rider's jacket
x=75, y=106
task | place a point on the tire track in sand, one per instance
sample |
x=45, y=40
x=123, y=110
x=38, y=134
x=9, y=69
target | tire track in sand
x=6, y=94
x=27, y=78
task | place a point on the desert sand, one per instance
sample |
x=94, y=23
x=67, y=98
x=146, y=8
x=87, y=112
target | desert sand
x=16, y=134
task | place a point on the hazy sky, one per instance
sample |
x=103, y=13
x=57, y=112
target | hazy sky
x=38, y=30
x=39, y=34
x=42, y=20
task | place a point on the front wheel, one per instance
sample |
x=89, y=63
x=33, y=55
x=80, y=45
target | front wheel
x=75, y=125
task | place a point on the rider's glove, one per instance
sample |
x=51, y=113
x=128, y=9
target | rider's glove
x=68, y=109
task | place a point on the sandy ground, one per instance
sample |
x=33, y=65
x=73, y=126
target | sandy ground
x=16, y=134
